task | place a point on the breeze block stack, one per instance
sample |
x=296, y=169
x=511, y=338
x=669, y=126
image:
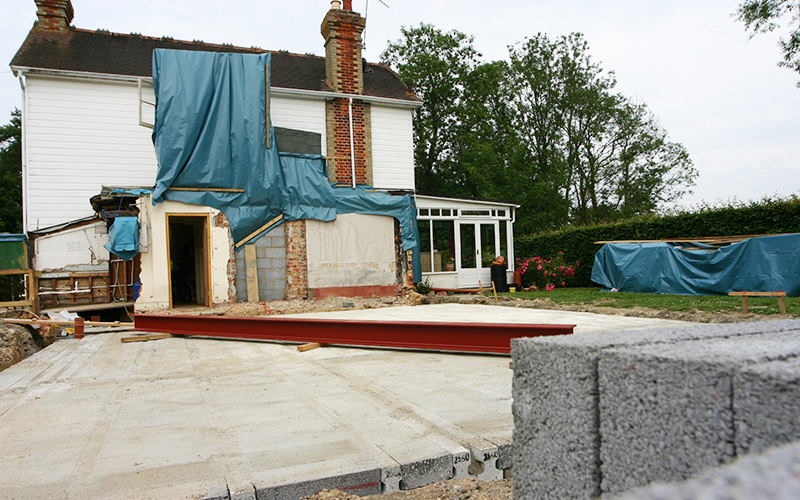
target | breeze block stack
x=606, y=412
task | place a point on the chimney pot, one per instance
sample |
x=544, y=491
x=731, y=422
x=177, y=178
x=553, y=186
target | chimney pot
x=336, y=4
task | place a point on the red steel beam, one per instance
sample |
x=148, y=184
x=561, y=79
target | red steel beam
x=459, y=337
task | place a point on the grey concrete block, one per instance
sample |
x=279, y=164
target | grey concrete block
x=271, y=295
x=279, y=253
x=279, y=263
x=427, y=471
x=666, y=410
x=242, y=492
x=774, y=474
x=483, y=464
x=505, y=458
x=556, y=449
x=217, y=493
x=390, y=480
x=261, y=253
x=361, y=483
x=766, y=405
x=275, y=274
x=462, y=462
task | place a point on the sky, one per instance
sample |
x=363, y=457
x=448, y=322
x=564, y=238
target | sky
x=714, y=89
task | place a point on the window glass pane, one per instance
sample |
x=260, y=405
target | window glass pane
x=444, y=245
x=488, y=247
x=504, y=243
x=435, y=212
x=468, y=249
x=476, y=213
x=423, y=211
x=425, y=245
x=447, y=212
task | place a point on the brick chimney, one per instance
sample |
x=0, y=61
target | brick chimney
x=344, y=70
x=54, y=15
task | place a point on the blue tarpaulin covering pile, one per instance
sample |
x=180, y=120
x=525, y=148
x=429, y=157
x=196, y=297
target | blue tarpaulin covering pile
x=211, y=133
x=761, y=264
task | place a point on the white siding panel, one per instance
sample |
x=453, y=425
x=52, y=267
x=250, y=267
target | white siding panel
x=81, y=135
x=392, y=148
x=299, y=114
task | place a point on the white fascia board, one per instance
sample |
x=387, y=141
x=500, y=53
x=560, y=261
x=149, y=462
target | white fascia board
x=463, y=201
x=277, y=91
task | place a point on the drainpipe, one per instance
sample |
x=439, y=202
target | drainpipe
x=352, y=146
x=24, y=126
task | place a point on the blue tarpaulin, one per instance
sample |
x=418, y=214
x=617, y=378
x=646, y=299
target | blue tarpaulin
x=210, y=132
x=123, y=237
x=761, y=264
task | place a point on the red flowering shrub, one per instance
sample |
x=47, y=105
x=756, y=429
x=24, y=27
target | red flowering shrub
x=545, y=274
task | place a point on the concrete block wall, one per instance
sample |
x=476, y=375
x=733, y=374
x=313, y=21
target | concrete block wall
x=773, y=474
x=271, y=262
x=605, y=412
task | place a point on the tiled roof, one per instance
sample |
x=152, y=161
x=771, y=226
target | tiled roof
x=131, y=55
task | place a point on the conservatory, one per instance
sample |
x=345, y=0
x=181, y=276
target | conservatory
x=460, y=238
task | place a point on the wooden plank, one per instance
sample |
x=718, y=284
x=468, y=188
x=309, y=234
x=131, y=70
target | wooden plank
x=258, y=231
x=309, y=346
x=145, y=338
x=757, y=294
x=251, y=266
x=19, y=321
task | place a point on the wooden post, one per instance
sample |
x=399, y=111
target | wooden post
x=251, y=266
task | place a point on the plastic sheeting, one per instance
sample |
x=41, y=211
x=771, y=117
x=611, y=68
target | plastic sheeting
x=210, y=132
x=762, y=264
x=123, y=237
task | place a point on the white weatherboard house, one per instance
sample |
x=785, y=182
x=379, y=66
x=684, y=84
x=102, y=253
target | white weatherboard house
x=88, y=111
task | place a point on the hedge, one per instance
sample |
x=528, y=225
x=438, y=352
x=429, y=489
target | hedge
x=764, y=217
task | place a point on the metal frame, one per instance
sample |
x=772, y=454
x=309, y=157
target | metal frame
x=456, y=337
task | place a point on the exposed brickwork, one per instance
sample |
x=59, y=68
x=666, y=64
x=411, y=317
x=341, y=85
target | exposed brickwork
x=338, y=125
x=344, y=73
x=296, y=260
x=54, y=15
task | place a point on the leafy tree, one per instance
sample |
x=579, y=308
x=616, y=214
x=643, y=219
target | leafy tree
x=436, y=64
x=761, y=16
x=545, y=129
x=11, y=174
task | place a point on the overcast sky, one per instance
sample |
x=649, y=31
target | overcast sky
x=714, y=89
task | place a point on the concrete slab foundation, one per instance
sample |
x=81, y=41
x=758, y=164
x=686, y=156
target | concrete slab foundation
x=195, y=418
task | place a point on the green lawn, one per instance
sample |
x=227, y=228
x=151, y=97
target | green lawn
x=687, y=303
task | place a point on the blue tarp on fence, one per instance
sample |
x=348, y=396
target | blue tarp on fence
x=762, y=264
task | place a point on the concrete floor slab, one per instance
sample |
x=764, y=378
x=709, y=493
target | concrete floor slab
x=198, y=418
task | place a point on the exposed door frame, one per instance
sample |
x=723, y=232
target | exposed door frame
x=206, y=239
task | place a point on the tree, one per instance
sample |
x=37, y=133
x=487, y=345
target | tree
x=545, y=129
x=436, y=64
x=11, y=174
x=762, y=16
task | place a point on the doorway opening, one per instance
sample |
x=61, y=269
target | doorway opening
x=189, y=260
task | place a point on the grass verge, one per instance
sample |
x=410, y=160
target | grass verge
x=683, y=303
